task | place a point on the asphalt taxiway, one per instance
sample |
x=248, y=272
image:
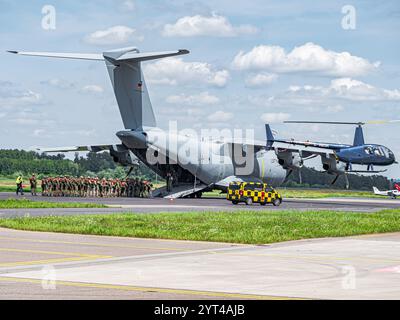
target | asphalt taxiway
x=140, y=205
x=36, y=265
x=39, y=265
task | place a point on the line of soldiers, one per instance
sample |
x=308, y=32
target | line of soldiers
x=96, y=187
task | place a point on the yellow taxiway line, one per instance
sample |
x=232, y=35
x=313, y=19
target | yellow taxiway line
x=94, y=244
x=73, y=257
x=153, y=290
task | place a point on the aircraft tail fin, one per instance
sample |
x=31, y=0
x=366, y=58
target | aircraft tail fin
x=376, y=190
x=124, y=68
x=358, y=137
x=269, y=135
x=397, y=186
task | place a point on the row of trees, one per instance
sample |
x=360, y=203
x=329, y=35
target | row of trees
x=14, y=162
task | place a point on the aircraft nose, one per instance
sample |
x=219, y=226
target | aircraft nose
x=392, y=157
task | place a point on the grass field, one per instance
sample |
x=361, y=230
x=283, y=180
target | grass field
x=24, y=203
x=237, y=227
x=8, y=185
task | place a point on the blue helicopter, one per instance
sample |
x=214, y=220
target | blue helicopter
x=341, y=157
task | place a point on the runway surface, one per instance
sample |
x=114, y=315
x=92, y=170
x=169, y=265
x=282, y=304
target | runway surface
x=37, y=265
x=139, y=205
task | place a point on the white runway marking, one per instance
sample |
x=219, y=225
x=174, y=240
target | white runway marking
x=163, y=206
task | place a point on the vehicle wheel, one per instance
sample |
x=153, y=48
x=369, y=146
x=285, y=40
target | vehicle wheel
x=235, y=202
x=277, y=202
x=249, y=201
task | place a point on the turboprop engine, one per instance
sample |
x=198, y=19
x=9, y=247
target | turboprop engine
x=290, y=160
x=332, y=165
x=269, y=168
x=123, y=156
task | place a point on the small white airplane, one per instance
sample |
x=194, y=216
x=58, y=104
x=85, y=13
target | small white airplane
x=390, y=193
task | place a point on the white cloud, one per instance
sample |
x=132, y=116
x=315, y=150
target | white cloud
x=24, y=121
x=214, y=25
x=113, y=36
x=38, y=132
x=93, y=88
x=86, y=133
x=309, y=57
x=275, y=117
x=128, y=5
x=174, y=71
x=58, y=83
x=203, y=98
x=260, y=79
x=347, y=88
x=334, y=109
x=220, y=116
x=13, y=96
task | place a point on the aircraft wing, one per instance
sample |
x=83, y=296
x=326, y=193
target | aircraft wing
x=119, y=152
x=305, y=150
x=95, y=148
x=284, y=146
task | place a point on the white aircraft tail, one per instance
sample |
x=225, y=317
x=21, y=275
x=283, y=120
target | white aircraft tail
x=376, y=190
x=124, y=68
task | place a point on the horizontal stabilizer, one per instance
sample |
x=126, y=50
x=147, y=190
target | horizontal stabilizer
x=82, y=56
x=134, y=56
x=125, y=71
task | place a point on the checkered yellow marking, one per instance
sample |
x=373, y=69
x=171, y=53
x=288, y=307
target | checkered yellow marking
x=241, y=192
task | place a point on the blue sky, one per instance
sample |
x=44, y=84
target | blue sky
x=250, y=62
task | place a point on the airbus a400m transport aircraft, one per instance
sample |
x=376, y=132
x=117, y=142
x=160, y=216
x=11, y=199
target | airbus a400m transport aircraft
x=215, y=163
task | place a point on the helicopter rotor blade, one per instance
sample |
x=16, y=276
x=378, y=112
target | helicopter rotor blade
x=381, y=121
x=326, y=122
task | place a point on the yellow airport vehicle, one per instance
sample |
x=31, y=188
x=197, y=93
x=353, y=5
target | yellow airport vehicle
x=253, y=192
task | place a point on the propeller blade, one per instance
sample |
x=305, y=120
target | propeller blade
x=347, y=181
x=129, y=172
x=334, y=180
x=289, y=172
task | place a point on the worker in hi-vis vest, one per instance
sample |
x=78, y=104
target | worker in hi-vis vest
x=19, y=185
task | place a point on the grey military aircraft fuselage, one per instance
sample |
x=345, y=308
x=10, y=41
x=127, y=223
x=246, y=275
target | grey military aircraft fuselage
x=212, y=162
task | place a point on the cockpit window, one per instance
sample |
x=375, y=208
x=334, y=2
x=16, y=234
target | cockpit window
x=385, y=152
x=378, y=152
x=368, y=150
